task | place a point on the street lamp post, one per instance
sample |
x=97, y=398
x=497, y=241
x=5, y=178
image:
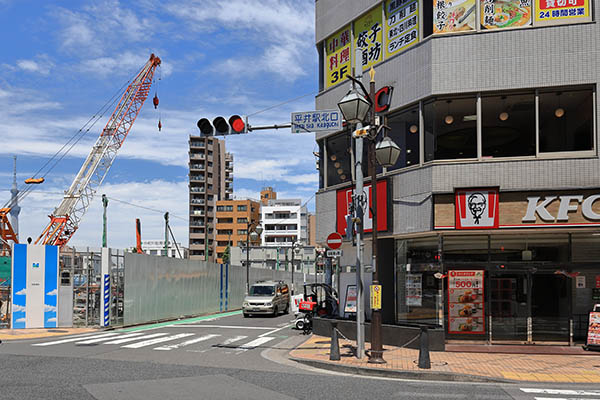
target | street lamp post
x=256, y=231
x=358, y=108
x=296, y=247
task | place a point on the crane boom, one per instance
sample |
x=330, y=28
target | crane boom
x=67, y=216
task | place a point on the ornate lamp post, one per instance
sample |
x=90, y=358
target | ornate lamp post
x=296, y=248
x=359, y=109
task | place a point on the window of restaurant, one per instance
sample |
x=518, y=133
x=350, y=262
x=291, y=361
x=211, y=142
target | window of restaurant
x=450, y=128
x=404, y=131
x=508, y=125
x=339, y=161
x=566, y=120
x=418, y=291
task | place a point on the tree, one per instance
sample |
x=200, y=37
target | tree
x=226, y=255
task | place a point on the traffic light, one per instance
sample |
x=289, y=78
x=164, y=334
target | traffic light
x=221, y=127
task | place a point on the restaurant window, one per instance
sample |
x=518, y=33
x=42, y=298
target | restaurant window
x=450, y=129
x=508, y=125
x=404, y=131
x=465, y=249
x=566, y=120
x=523, y=248
x=339, y=162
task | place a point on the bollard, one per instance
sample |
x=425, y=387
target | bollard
x=334, y=351
x=424, y=361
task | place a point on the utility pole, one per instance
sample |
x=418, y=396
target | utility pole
x=104, y=205
x=167, y=234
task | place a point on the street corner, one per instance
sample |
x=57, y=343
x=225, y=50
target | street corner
x=24, y=334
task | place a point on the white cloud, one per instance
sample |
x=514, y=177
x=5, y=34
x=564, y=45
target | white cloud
x=21, y=292
x=49, y=308
x=43, y=65
x=20, y=320
x=17, y=308
x=52, y=293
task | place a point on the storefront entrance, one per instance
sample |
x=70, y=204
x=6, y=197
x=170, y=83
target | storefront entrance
x=529, y=306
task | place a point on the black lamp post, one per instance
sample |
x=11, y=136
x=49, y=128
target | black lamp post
x=252, y=232
x=386, y=152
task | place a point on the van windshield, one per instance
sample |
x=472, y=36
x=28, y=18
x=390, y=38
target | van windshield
x=262, y=291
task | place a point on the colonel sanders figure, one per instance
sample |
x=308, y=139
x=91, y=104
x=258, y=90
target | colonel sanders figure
x=477, y=205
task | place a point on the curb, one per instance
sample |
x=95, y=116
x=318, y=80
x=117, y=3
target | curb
x=401, y=374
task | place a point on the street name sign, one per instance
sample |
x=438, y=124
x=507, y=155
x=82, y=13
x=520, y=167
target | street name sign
x=334, y=241
x=316, y=121
x=334, y=253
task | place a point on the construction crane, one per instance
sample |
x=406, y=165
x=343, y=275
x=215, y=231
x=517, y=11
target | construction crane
x=67, y=216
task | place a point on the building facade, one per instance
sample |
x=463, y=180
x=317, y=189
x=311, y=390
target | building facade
x=284, y=222
x=157, y=248
x=210, y=180
x=234, y=217
x=304, y=259
x=488, y=223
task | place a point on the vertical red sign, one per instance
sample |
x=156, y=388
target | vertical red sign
x=344, y=201
x=466, y=306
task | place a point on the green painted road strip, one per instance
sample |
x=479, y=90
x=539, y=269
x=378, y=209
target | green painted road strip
x=180, y=321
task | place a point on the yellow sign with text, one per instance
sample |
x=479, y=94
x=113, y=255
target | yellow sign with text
x=368, y=37
x=338, y=60
x=375, y=297
x=553, y=12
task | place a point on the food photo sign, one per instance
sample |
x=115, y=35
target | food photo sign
x=454, y=16
x=466, y=312
x=499, y=14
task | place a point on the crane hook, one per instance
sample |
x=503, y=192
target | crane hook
x=155, y=101
x=159, y=125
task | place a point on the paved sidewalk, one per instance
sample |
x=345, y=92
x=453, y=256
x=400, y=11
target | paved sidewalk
x=20, y=334
x=455, y=366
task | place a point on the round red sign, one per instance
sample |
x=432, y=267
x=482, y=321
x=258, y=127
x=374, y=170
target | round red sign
x=334, y=241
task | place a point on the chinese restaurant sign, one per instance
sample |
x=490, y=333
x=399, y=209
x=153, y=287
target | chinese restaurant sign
x=344, y=202
x=401, y=25
x=505, y=13
x=553, y=12
x=466, y=312
x=453, y=16
x=368, y=37
x=338, y=60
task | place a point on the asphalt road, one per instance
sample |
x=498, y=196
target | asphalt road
x=224, y=358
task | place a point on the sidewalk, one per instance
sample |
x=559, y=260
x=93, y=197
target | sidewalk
x=20, y=334
x=478, y=367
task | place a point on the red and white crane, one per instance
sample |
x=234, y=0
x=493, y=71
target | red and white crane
x=65, y=220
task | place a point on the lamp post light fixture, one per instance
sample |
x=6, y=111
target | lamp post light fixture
x=360, y=110
x=252, y=233
x=296, y=248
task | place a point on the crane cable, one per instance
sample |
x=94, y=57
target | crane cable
x=89, y=124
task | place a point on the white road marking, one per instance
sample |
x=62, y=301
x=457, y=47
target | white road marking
x=255, y=343
x=156, y=341
x=222, y=327
x=74, y=339
x=129, y=338
x=275, y=330
x=97, y=340
x=565, y=398
x=233, y=340
x=186, y=343
x=568, y=392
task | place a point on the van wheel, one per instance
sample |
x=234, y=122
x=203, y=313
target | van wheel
x=246, y=315
x=275, y=311
x=287, y=309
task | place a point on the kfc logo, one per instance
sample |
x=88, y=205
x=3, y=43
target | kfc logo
x=344, y=206
x=477, y=209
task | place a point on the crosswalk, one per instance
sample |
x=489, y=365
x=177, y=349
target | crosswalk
x=562, y=394
x=162, y=341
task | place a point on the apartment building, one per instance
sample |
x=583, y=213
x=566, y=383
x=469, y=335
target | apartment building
x=210, y=180
x=284, y=221
x=234, y=217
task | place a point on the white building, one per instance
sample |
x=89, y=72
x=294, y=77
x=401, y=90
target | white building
x=284, y=221
x=157, y=248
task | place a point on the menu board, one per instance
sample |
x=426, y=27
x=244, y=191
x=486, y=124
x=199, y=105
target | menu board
x=554, y=12
x=453, y=16
x=338, y=61
x=350, y=304
x=593, y=336
x=497, y=14
x=401, y=25
x=368, y=37
x=466, y=312
x=414, y=290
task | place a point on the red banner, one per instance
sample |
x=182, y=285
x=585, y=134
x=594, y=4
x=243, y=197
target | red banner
x=466, y=306
x=344, y=201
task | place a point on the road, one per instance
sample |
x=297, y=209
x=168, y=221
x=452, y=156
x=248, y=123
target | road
x=216, y=358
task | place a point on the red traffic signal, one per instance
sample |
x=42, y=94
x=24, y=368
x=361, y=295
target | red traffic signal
x=221, y=127
x=237, y=124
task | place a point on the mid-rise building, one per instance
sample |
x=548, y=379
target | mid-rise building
x=284, y=221
x=266, y=194
x=210, y=180
x=234, y=217
x=157, y=248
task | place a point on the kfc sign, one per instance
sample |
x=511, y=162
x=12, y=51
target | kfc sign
x=477, y=208
x=567, y=203
x=344, y=206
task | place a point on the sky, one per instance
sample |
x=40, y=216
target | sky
x=62, y=61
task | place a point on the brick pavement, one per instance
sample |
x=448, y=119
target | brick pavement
x=516, y=367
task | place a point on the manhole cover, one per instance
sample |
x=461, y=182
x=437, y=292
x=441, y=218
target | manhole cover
x=434, y=364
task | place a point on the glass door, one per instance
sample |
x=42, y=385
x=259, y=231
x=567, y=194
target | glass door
x=550, y=308
x=509, y=306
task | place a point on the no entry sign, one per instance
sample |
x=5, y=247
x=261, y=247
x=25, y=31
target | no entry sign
x=334, y=240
